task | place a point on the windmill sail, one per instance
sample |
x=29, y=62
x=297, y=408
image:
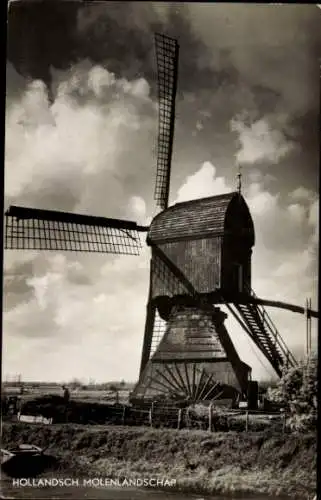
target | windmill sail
x=167, y=64
x=33, y=229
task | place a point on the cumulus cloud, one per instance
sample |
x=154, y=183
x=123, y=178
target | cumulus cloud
x=260, y=142
x=76, y=144
x=201, y=184
x=297, y=211
x=77, y=154
x=69, y=318
x=301, y=193
x=262, y=202
x=137, y=210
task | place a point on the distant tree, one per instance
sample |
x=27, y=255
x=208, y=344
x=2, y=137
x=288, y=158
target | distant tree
x=75, y=384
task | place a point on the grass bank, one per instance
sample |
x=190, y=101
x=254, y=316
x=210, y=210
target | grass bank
x=215, y=463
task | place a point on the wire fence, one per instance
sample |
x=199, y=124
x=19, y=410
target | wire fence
x=208, y=418
x=211, y=417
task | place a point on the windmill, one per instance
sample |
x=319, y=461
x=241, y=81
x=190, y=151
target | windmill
x=200, y=259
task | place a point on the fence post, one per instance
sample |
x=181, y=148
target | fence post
x=150, y=415
x=283, y=421
x=187, y=418
x=179, y=418
x=124, y=415
x=210, y=413
x=246, y=421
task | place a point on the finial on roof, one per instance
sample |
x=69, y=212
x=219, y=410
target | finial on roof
x=239, y=179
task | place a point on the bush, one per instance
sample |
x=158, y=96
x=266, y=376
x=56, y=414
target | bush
x=297, y=392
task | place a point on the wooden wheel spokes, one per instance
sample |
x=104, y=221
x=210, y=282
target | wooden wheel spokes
x=164, y=387
x=184, y=381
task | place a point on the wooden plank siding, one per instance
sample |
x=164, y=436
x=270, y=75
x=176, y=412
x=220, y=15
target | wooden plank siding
x=209, y=240
x=200, y=262
x=190, y=334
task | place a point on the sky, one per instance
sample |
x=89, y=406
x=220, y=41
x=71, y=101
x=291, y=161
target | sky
x=81, y=136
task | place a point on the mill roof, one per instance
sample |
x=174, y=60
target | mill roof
x=198, y=217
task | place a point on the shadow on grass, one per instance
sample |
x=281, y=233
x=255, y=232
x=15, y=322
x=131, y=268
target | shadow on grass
x=25, y=466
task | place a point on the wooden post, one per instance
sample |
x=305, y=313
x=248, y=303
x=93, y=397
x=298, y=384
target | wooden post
x=310, y=326
x=150, y=415
x=283, y=422
x=123, y=415
x=308, y=309
x=179, y=418
x=307, y=327
x=210, y=413
x=187, y=418
x=246, y=421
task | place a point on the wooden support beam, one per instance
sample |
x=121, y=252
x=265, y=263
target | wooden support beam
x=220, y=297
x=149, y=327
x=286, y=305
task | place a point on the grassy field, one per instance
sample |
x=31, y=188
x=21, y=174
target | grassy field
x=215, y=463
x=90, y=395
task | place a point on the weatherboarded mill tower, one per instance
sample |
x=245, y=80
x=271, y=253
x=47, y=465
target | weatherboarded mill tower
x=207, y=246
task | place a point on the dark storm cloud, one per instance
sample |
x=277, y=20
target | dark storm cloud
x=272, y=53
x=41, y=34
x=275, y=47
x=118, y=35
x=256, y=58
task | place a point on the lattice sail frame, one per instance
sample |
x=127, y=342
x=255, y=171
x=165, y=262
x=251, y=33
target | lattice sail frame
x=171, y=283
x=33, y=229
x=167, y=65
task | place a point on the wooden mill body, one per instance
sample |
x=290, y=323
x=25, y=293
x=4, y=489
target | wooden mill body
x=210, y=242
